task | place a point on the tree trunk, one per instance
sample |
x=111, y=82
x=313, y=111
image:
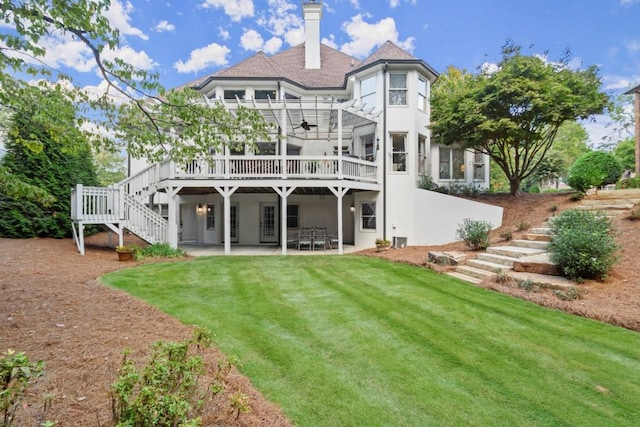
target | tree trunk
x=514, y=186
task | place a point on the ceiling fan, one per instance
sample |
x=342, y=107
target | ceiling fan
x=306, y=126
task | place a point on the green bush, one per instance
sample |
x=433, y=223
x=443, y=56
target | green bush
x=628, y=183
x=583, y=244
x=16, y=375
x=167, y=391
x=160, y=250
x=594, y=169
x=474, y=233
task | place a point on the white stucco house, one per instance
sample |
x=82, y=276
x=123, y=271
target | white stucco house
x=350, y=143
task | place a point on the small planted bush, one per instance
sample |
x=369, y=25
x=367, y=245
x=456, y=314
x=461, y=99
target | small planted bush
x=583, y=244
x=17, y=373
x=594, y=169
x=168, y=391
x=161, y=250
x=474, y=233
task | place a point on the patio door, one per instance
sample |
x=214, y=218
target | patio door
x=268, y=223
x=188, y=223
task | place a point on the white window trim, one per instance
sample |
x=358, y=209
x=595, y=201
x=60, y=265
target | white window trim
x=375, y=215
x=405, y=152
x=451, y=149
x=399, y=89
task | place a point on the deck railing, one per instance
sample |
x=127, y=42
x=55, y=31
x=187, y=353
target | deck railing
x=274, y=167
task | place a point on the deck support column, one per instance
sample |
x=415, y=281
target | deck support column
x=283, y=192
x=172, y=226
x=339, y=192
x=226, y=193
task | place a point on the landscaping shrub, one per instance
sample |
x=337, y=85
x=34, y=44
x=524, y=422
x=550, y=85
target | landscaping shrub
x=16, y=375
x=160, y=250
x=583, y=244
x=474, y=233
x=628, y=183
x=594, y=169
x=168, y=390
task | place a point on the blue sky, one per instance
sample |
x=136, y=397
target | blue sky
x=185, y=39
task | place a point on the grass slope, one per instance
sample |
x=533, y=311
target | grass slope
x=361, y=341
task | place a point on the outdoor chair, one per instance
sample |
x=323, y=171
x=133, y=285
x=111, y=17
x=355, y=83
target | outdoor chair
x=320, y=238
x=305, y=239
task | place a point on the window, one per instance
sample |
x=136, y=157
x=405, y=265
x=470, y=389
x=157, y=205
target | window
x=422, y=155
x=345, y=150
x=478, y=166
x=266, y=148
x=368, y=91
x=368, y=148
x=163, y=210
x=399, y=153
x=292, y=216
x=211, y=217
x=422, y=94
x=265, y=94
x=232, y=94
x=368, y=216
x=397, y=89
x=451, y=163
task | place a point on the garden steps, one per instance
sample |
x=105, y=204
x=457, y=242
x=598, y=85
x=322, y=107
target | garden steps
x=527, y=258
x=531, y=244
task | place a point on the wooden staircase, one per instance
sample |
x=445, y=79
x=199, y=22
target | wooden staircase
x=528, y=258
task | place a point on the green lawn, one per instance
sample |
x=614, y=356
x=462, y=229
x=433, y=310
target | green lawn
x=364, y=342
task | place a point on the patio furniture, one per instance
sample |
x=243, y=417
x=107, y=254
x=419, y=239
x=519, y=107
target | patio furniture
x=320, y=238
x=305, y=238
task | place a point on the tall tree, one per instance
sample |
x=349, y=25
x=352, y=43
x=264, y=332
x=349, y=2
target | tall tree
x=50, y=168
x=24, y=75
x=569, y=144
x=513, y=113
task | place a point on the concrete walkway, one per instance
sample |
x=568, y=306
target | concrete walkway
x=209, y=250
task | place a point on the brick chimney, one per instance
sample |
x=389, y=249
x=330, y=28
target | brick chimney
x=312, y=13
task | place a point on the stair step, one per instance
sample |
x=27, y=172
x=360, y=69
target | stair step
x=629, y=193
x=536, y=237
x=478, y=273
x=532, y=244
x=496, y=259
x=605, y=207
x=464, y=277
x=513, y=251
x=541, y=230
x=487, y=265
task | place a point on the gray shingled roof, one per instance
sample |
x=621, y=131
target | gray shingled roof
x=290, y=65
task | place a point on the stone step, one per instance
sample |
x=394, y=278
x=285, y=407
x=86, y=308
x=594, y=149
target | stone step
x=513, y=251
x=541, y=230
x=540, y=264
x=532, y=244
x=629, y=193
x=464, y=277
x=478, y=273
x=496, y=259
x=604, y=206
x=538, y=237
x=487, y=265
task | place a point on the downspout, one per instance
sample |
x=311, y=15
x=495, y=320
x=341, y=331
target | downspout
x=384, y=150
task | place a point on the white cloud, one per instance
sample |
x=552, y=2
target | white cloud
x=633, y=46
x=165, y=26
x=330, y=41
x=628, y=2
x=355, y=3
x=137, y=59
x=224, y=34
x=213, y=54
x=251, y=40
x=294, y=36
x=619, y=83
x=64, y=51
x=365, y=36
x=118, y=16
x=235, y=9
x=396, y=3
x=272, y=45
